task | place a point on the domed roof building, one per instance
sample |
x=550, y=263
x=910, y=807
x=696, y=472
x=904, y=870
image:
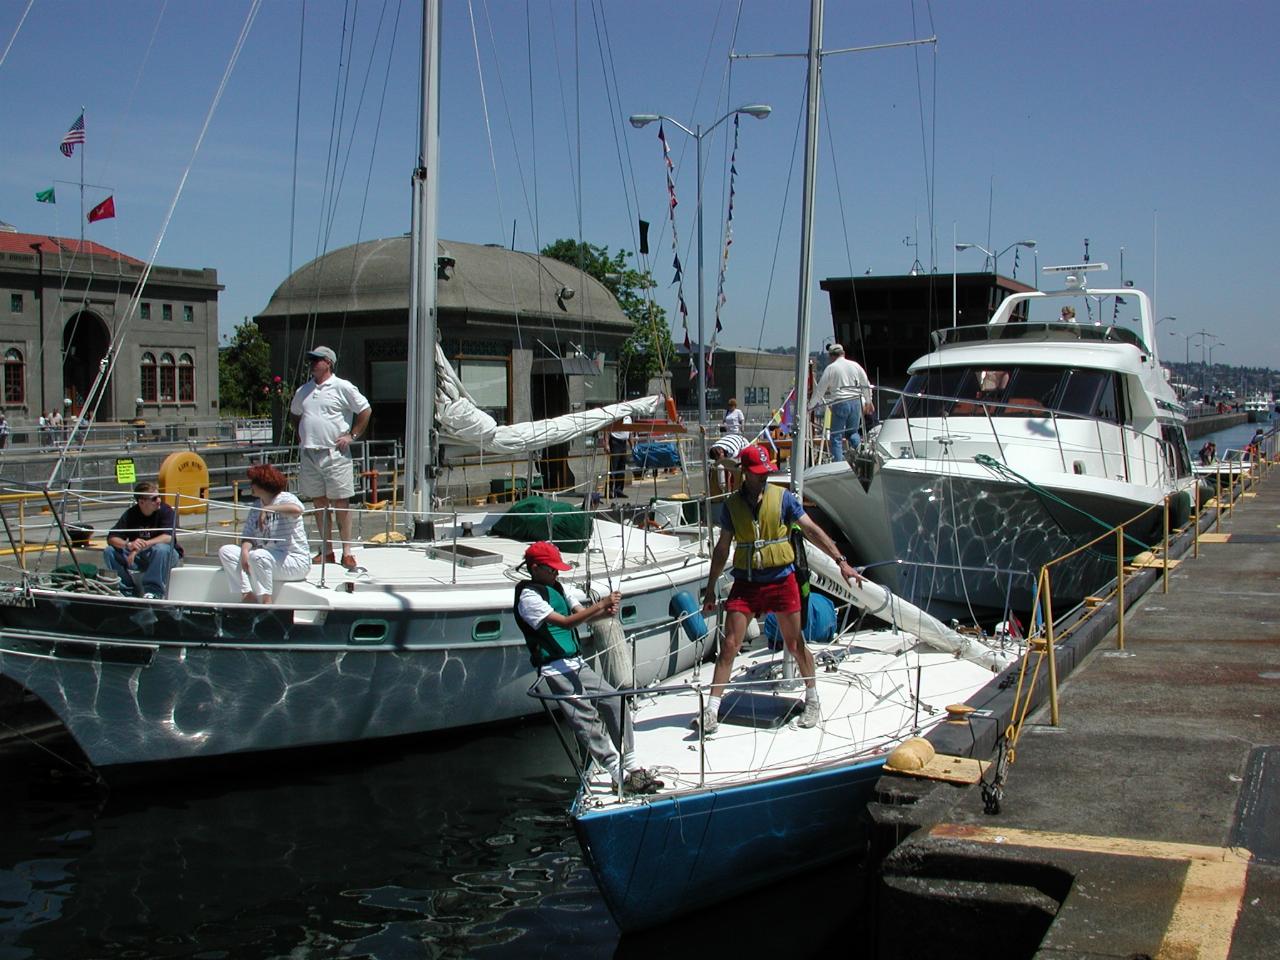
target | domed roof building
x=529, y=335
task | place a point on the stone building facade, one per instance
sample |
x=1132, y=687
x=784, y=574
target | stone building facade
x=61, y=305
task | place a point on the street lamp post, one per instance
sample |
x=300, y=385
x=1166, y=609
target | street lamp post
x=638, y=120
x=995, y=257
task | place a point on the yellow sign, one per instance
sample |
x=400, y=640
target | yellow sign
x=126, y=472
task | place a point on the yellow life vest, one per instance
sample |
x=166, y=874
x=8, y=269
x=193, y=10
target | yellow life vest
x=760, y=543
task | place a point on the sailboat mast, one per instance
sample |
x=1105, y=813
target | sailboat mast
x=420, y=435
x=806, y=248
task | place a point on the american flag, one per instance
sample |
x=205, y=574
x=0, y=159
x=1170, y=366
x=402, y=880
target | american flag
x=74, y=135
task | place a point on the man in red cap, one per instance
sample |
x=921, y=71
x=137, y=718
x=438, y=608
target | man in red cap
x=759, y=518
x=548, y=613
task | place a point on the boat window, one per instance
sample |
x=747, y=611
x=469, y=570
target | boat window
x=1033, y=390
x=1090, y=393
x=946, y=382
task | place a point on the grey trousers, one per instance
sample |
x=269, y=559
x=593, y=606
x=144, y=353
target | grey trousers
x=601, y=725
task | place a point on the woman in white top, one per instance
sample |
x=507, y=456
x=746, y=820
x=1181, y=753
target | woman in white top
x=273, y=543
x=734, y=419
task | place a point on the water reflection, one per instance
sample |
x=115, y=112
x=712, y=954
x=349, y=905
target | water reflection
x=444, y=850
x=448, y=848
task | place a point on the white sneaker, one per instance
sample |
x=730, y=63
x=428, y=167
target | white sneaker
x=708, y=720
x=812, y=714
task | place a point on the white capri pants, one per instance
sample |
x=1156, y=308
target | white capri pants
x=264, y=569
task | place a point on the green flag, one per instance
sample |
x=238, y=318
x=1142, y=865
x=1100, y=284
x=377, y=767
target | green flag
x=46, y=196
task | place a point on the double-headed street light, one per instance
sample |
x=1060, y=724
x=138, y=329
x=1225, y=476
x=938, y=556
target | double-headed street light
x=638, y=120
x=995, y=257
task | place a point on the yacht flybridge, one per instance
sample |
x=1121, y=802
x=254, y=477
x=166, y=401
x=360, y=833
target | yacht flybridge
x=1015, y=442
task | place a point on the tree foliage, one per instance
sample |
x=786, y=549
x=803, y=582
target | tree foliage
x=245, y=381
x=648, y=351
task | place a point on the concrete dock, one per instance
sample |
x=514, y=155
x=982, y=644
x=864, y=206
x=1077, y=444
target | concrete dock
x=1146, y=824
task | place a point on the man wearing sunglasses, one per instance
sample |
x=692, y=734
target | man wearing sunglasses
x=144, y=539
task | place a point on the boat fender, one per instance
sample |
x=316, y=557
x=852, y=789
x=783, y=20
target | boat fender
x=913, y=754
x=821, y=627
x=688, y=611
x=614, y=651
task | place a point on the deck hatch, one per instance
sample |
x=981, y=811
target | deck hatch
x=465, y=555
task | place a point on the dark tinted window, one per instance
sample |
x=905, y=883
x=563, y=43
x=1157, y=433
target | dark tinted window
x=948, y=382
x=980, y=391
x=1034, y=389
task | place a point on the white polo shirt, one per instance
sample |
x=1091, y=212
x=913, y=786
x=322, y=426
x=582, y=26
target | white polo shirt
x=326, y=411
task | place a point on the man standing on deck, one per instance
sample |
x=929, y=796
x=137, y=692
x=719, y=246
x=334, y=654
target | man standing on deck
x=844, y=386
x=330, y=414
x=758, y=518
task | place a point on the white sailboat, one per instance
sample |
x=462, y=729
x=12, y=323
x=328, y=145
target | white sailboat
x=423, y=640
x=762, y=798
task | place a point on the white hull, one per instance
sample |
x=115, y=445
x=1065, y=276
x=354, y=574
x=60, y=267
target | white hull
x=413, y=645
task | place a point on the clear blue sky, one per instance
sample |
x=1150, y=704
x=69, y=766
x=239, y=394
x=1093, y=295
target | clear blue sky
x=1089, y=119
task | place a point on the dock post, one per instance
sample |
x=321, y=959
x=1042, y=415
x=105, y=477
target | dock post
x=1053, y=660
x=1165, y=558
x=1119, y=588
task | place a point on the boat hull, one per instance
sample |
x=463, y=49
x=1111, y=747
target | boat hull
x=139, y=682
x=676, y=855
x=974, y=543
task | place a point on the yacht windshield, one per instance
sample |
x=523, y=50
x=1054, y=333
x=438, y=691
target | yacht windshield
x=1031, y=391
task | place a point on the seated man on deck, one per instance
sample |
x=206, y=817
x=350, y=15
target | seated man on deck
x=144, y=539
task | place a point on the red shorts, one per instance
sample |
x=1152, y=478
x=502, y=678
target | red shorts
x=757, y=599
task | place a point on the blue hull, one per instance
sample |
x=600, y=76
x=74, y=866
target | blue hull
x=656, y=861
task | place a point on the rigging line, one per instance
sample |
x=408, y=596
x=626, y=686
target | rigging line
x=613, y=96
x=859, y=341
x=21, y=20
x=506, y=102
x=493, y=158
x=293, y=214
x=373, y=147
x=930, y=157
x=117, y=338
x=329, y=163
x=142, y=65
x=533, y=137
x=782, y=216
x=564, y=106
x=340, y=173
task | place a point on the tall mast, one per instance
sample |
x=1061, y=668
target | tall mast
x=806, y=247
x=420, y=435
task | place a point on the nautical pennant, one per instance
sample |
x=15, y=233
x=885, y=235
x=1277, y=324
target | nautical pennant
x=46, y=196
x=678, y=279
x=721, y=299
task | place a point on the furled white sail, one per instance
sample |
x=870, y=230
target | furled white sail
x=881, y=602
x=461, y=421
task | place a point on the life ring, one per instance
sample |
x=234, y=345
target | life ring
x=614, y=652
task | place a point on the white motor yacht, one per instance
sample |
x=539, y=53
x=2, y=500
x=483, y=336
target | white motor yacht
x=1015, y=442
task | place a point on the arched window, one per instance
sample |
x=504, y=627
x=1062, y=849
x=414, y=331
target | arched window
x=150, y=383
x=168, y=379
x=15, y=379
x=186, y=379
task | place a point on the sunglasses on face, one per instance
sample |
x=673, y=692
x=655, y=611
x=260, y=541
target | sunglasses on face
x=152, y=498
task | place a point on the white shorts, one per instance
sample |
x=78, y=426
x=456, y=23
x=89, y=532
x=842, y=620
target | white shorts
x=326, y=473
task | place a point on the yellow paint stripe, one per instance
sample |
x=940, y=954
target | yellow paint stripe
x=1204, y=916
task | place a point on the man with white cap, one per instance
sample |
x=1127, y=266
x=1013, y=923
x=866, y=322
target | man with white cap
x=330, y=413
x=844, y=386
